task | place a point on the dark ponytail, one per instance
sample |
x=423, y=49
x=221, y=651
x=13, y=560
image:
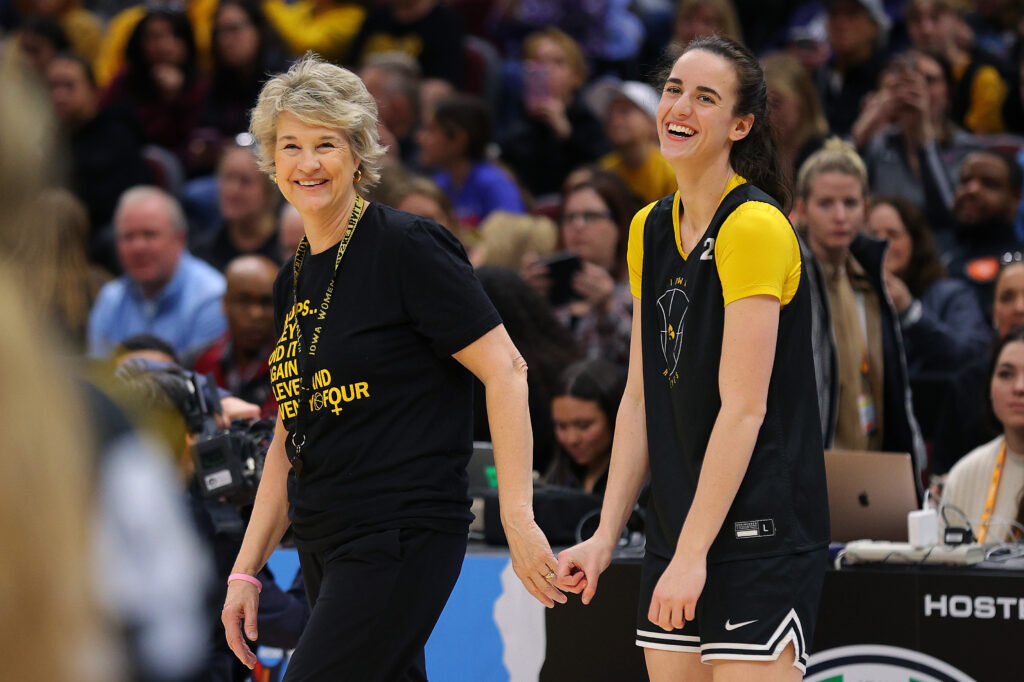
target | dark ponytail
x=755, y=157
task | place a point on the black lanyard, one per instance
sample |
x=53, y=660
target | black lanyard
x=305, y=378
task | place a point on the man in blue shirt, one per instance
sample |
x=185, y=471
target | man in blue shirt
x=165, y=291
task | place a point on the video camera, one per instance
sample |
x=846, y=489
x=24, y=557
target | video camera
x=229, y=462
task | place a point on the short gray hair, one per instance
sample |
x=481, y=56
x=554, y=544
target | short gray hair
x=319, y=93
x=140, y=193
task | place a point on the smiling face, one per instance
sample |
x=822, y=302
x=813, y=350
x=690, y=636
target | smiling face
x=695, y=115
x=314, y=166
x=1007, y=387
x=582, y=429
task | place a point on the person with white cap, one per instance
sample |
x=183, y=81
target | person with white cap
x=857, y=31
x=628, y=110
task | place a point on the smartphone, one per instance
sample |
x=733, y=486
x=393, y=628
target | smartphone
x=561, y=268
x=536, y=85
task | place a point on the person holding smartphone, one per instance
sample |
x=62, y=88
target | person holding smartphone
x=587, y=283
x=556, y=131
x=720, y=407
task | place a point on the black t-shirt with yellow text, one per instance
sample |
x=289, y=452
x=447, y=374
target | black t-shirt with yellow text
x=389, y=421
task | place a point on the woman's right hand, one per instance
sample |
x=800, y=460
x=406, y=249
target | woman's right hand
x=580, y=566
x=535, y=273
x=169, y=79
x=241, y=605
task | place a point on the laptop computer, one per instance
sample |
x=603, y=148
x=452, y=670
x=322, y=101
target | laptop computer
x=481, y=459
x=869, y=494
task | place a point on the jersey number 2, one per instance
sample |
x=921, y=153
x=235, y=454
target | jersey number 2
x=709, y=247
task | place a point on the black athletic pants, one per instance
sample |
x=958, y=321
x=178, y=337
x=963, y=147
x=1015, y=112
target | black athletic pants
x=375, y=601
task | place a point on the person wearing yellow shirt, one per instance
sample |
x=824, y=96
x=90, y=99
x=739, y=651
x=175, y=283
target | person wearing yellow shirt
x=719, y=412
x=110, y=59
x=326, y=27
x=628, y=110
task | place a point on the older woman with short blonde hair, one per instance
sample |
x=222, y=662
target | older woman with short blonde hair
x=381, y=326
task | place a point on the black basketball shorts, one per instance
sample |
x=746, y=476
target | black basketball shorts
x=749, y=610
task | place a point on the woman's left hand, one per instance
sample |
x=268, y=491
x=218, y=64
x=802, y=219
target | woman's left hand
x=532, y=560
x=898, y=293
x=595, y=285
x=675, y=596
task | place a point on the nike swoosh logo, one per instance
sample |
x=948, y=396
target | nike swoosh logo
x=732, y=626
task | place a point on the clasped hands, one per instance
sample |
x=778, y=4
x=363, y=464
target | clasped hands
x=675, y=596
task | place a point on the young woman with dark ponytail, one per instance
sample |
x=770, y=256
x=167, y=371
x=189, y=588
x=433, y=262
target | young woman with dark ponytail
x=720, y=405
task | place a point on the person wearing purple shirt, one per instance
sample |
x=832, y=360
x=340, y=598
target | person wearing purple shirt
x=454, y=138
x=165, y=291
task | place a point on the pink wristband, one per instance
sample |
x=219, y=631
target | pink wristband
x=247, y=578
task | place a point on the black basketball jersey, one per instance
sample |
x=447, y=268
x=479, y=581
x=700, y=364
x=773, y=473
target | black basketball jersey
x=781, y=506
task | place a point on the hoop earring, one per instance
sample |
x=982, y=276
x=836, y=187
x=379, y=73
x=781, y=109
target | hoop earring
x=357, y=176
x=273, y=178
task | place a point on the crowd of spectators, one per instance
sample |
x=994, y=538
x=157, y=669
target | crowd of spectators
x=528, y=129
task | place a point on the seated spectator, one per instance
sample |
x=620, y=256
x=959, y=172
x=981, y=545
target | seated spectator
x=1000, y=462
x=454, y=139
x=943, y=325
x=165, y=290
x=961, y=423
x=628, y=110
x=423, y=197
x=942, y=322
x=863, y=388
x=701, y=18
x=546, y=346
x=290, y=232
x=111, y=58
x=504, y=239
x=161, y=81
x=248, y=208
x=429, y=31
x=238, y=359
x=105, y=149
x=82, y=28
x=595, y=225
x=979, y=89
x=39, y=39
x=857, y=31
x=584, y=412
x=984, y=208
x=245, y=51
x=393, y=78
x=799, y=121
x=556, y=131
x=908, y=142
x=326, y=27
